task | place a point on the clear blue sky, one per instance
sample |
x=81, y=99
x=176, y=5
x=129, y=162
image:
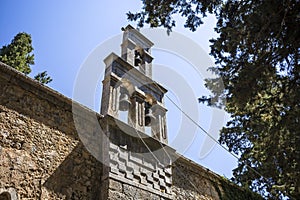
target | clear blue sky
x=65, y=32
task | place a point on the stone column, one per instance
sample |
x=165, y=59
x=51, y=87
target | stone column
x=110, y=96
x=160, y=127
x=137, y=113
x=127, y=48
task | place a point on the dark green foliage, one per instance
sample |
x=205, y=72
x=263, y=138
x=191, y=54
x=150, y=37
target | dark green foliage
x=43, y=78
x=257, y=57
x=159, y=13
x=18, y=54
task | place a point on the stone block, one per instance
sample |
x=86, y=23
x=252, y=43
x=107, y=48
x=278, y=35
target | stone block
x=115, y=185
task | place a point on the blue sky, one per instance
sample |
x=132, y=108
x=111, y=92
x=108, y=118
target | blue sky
x=64, y=34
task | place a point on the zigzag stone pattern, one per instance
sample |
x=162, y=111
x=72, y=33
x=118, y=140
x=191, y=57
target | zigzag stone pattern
x=140, y=169
x=138, y=161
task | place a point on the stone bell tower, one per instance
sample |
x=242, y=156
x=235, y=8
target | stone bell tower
x=137, y=161
x=128, y=86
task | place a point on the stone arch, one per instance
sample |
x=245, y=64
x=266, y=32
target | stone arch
x=5, y=196
x=8, y=194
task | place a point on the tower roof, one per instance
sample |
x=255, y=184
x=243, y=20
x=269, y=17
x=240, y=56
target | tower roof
x=138, y=35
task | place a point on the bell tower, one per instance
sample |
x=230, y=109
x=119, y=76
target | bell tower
x=136, y=50
x=134, y=144
x=128, y=88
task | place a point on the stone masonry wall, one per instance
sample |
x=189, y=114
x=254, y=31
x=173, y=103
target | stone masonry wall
x=41, y=155
x=120, y=190
x=191, y=181
x=194, y=182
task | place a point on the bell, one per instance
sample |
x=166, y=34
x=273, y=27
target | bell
x=124, y=102
x=137, y=61
x=137, y=58
x=149, y=117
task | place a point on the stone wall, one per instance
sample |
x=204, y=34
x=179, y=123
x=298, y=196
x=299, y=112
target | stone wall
x=42, y=156
x=194, y=182
x=191, y=181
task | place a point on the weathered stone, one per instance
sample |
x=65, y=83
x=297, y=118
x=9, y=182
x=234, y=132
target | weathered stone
x=37, y=155
x=115, y=185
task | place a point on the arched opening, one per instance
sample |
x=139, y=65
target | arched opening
x=5, y=196
x=124, y=104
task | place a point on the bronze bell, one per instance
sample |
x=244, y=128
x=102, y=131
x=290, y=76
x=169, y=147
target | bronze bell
x=124, y=102
x=137, y=59
x=149, y=117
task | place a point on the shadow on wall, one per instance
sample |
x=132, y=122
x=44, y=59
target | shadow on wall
x=77, y=177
